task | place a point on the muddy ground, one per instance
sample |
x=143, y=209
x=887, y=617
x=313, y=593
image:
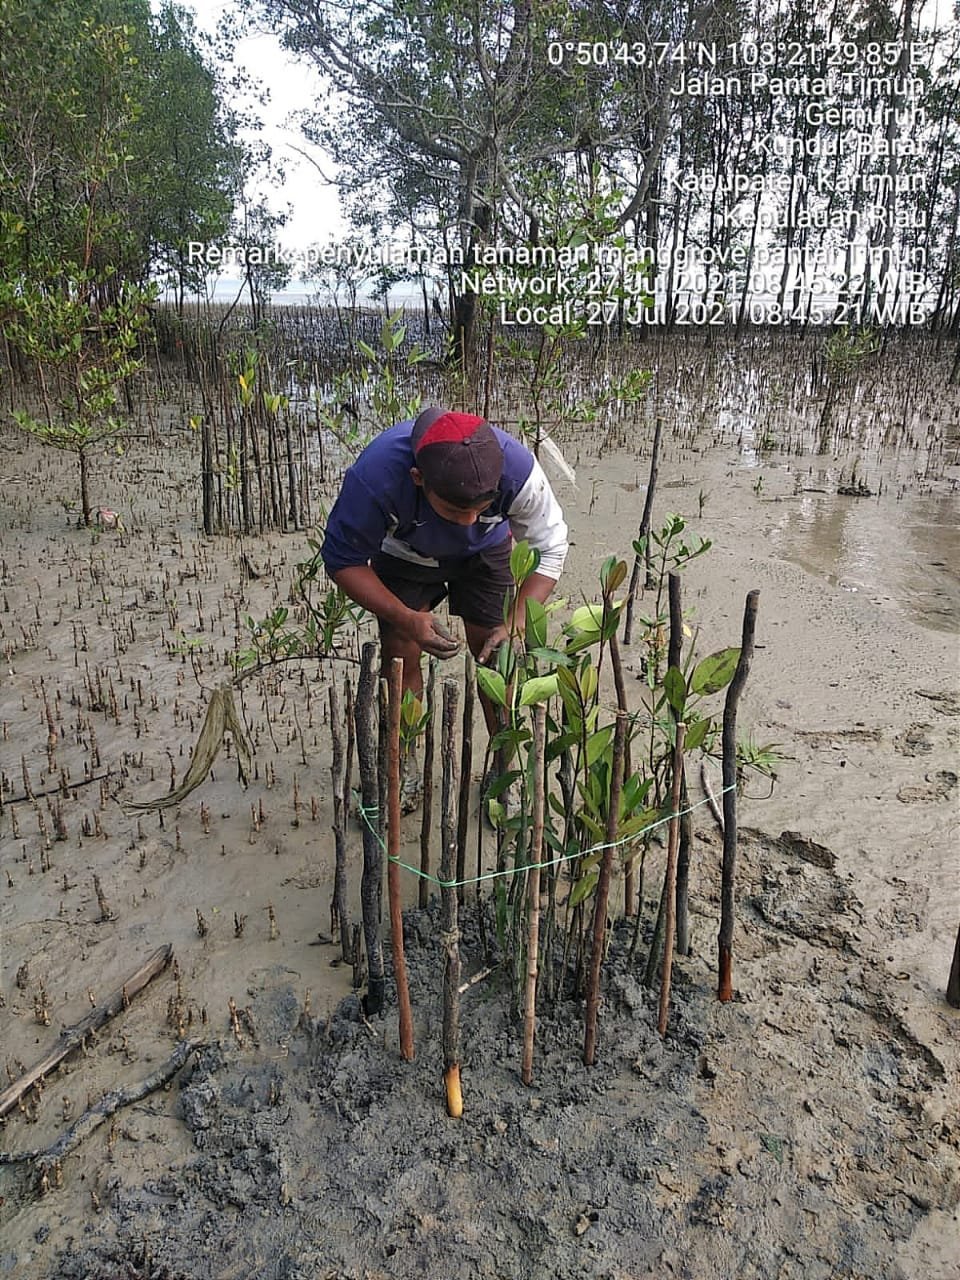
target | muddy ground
x=810, y=1128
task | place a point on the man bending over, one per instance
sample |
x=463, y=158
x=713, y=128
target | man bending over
x=427, y=511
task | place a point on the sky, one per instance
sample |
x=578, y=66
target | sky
x=316, y=215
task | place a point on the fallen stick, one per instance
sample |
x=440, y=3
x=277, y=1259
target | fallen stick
x=477, y=978
x=53, y=791
x=94, y=1116
x=73, y=1037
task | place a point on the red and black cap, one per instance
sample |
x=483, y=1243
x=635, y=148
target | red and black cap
x=458, y=455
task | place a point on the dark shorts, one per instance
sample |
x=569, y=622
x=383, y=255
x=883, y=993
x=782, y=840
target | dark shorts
x=477, y=586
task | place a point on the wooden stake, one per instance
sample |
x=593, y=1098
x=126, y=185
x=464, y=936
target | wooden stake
x=728, y=873
x=643, y=532
x=674, y=659
x=339, y=910
x=72, y=1038
x=603, y=894
x=466, y=766
x=616, y=665
x=393, y=853
x=533, y=895
x=953, y=984
x=671, y=879
x=426, y=816
x=383, y=753
x=448, y=902
x=371, y=881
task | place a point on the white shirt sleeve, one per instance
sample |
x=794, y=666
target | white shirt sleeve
x=536, y=516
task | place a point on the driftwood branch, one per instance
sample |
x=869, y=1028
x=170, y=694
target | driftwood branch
x=111, y=1102
x=72, y=1038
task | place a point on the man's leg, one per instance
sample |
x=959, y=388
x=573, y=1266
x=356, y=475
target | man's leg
x=477, y=636
x=478, y=596
x=420, y=591
x=419, y=588
x=394, y=645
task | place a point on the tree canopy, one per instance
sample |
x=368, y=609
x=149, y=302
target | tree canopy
x=802, y=131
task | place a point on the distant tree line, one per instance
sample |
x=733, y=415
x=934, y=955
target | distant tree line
x=115, y=152
x=115, y=147
x=515, y=121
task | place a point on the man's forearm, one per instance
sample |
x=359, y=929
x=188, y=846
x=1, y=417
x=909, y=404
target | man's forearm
x=537, y=587
x=362, y=584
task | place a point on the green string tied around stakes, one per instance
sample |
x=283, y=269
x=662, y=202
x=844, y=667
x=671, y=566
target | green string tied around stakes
x=366, y=814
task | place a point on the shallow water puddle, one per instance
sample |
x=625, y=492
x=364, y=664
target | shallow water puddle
x=911, y=565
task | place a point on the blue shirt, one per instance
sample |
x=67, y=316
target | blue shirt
x=380, y=509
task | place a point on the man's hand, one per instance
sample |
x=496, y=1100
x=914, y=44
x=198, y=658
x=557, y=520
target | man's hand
x=498, y=636
x=431, y=636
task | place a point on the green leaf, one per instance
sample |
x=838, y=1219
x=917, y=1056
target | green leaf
x=587, y=618
x=546, y=654
x=675, y=687
x=510, y=737
x=638, y=822
x=714, y=672
x=635, y=790
x=493, y=685
x=500, y=785
x=696, y=733
x=589, y=679
x=536, y=625
x=560, y=743
x=583, y=888
x=597, y=744
x=496, y=812
x=591, y=824
x=556, y=804
x=523, y=561
x=539, y=689
x=612, y=574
